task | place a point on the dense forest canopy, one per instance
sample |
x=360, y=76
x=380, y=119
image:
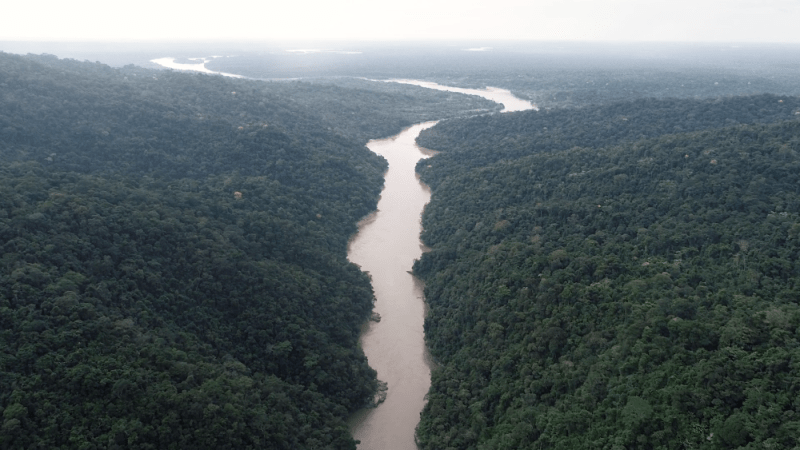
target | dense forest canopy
x=597, y=282
x=616, y=270
x=173, y=270
x=485, y=139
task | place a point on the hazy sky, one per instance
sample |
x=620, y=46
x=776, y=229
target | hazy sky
x=620, y=20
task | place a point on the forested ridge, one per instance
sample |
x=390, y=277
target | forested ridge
x=600, y=285
x=371, y=109
x=484, y=139
x=173, y=270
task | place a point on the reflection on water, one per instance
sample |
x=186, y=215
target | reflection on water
x=196, y=67
x=386, y=246
x=497, y=95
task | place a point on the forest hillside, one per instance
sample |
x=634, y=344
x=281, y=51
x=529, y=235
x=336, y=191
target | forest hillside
x=173, y=269
x=596, y=282
x=485, y=139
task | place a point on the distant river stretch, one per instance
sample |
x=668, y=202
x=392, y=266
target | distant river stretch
x=506, y=98
x=386, y=246
x=498, y=95
x=198, y=66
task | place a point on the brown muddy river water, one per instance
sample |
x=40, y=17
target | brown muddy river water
x=386, y=246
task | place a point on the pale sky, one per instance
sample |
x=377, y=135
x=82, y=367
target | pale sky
x=571, y=20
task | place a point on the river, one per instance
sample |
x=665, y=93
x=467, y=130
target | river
x=386, y=246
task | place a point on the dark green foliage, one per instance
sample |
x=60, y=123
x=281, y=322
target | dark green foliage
x=640, y=295
x=125, y=308
x=486, y=139
x=142, y=303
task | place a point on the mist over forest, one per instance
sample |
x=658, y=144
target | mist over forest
x=617, y=269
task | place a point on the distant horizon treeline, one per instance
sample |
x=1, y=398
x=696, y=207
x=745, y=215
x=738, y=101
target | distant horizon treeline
x=551, y=74
x=619, y=276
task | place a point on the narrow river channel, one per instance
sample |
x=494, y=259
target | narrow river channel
x=386, y=246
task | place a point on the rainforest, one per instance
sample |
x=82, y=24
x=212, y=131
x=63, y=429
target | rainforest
x=618, y=268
